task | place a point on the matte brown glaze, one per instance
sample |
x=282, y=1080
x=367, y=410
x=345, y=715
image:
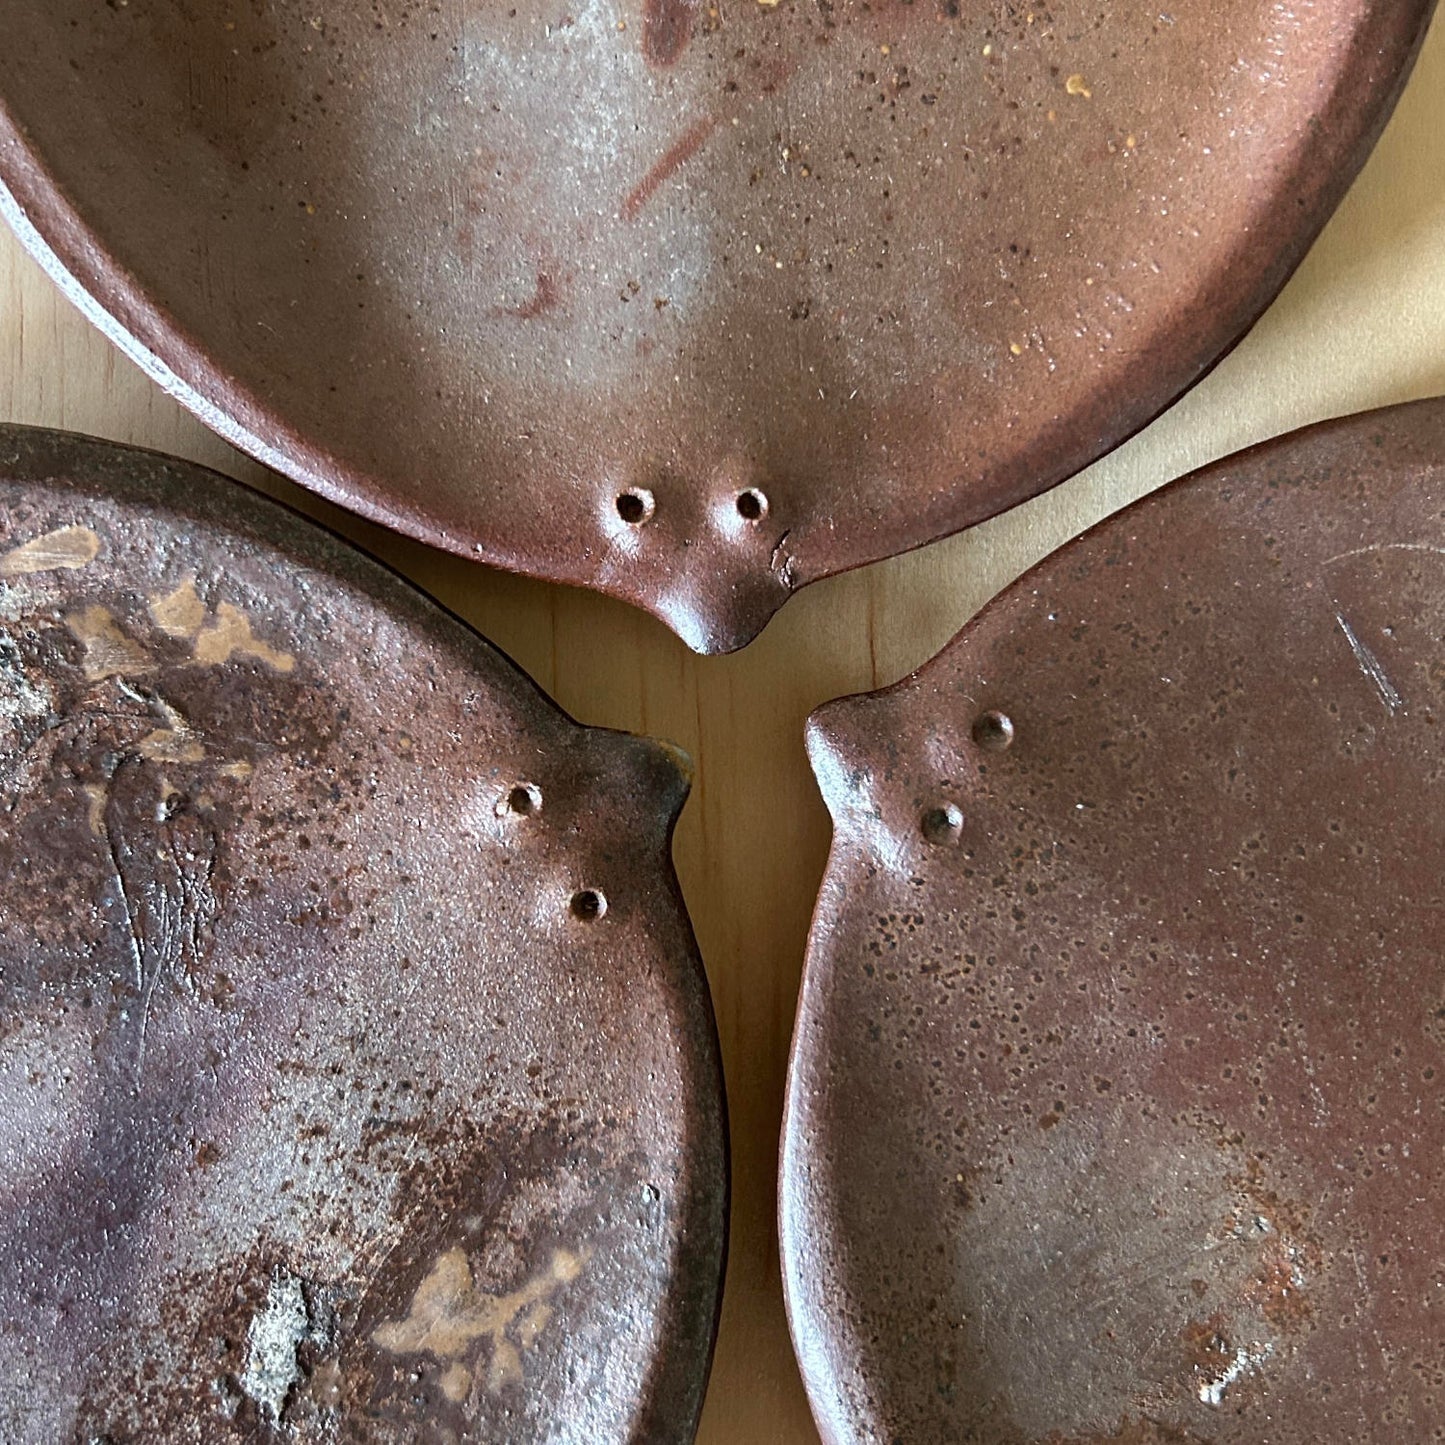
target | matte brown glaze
x=479, y=271
x=358, y=1080
x=1117, y=1104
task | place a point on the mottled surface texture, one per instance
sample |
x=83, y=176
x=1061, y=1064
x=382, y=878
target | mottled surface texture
x=692, y=301
x=1118, y=1092
x=357, y=1075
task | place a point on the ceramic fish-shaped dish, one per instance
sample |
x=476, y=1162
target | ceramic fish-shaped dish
x=690, y=302
x=358, y=1078
x=1117, y=1103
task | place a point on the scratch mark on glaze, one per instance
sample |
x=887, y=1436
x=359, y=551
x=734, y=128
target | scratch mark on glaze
x=132, y=929
x=672, y=159
x=65, y=547
x=163, y=880
x=449, y=1314
x=230, y=632
x=1370, y=665
x=1386, y=547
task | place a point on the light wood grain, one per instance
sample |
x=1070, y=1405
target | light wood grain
x=1362, y=324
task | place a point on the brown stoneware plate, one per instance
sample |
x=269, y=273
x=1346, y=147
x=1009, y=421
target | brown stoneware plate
x=1117, y=1107
x=358, y=1079
x=690, y=301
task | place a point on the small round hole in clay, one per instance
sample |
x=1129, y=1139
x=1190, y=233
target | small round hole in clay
x=636, y=506
x=752, y=505
x=588, y=905
x=522, y=800
x=994, y=731
x=943, y=825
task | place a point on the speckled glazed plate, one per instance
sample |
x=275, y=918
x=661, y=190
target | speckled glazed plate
x=358, y=1079
x=1117, y=1106
x=691, y=301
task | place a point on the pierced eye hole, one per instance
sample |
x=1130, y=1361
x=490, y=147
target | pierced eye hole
x=636, y=506
x=587, y=905
x=993, y=731
x=943, y=825
x=752, y=505
x=522, y=800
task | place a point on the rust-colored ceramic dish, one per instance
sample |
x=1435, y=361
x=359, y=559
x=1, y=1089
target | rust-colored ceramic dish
x=358, y=1080
x=691, y=301
x=1117, y=1108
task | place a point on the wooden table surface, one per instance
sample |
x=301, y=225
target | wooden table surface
x=1361, y=325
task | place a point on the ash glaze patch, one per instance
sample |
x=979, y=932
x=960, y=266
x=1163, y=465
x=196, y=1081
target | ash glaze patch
x=108, y=651
x=275, y=1335
x=24, y=695
x=65, y=547
x=179, y=612
x=1246, y=1360
x=449, y=1314
x=115, y=724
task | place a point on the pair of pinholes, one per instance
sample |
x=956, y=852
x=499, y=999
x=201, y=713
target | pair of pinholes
x=524, y=800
